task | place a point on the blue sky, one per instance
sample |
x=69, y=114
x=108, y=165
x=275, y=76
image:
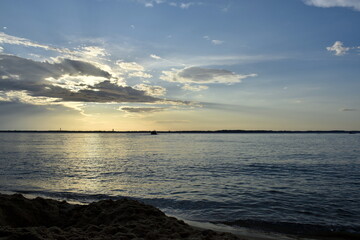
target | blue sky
x=180, y=65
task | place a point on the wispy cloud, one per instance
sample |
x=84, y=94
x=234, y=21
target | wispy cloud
x=210, y=60
x=226, y=8
x=155, y=91
x=217, y=42
x=182, y=5
x=93, y=54
x=194, y=88
x=24, y=97
x=143, y=109
x=130, y=109
x=348, y=110
x=200, y=75
x=213, y=41
x=93, y=51
x=140, y=75
x=130, y=66
x=355, y=4
x=155, y=56
x=186, y=5
x=133, y=69
x=8, y=39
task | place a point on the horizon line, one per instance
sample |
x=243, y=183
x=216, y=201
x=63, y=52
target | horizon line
x=184, y=131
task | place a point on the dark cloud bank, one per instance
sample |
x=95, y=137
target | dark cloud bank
x=19, y=74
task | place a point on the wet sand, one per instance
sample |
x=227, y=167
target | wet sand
x=39, y=218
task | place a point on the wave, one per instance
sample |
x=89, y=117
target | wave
x=162, y=203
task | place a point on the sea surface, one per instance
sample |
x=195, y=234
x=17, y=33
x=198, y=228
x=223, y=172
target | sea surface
x=292, y=183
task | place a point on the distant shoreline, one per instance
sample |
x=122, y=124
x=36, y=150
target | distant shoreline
x=194, y=131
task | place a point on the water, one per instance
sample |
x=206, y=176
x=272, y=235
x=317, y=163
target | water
x=306, y=182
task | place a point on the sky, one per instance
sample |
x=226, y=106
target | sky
x=179, y=65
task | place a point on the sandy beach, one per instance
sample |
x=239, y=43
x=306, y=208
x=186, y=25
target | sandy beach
x=39, y=218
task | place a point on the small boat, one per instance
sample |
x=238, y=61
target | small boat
x=153, y=132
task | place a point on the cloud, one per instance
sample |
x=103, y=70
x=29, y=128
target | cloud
x=338, y=48
x=141, y=109
x=65, y=81
x=133, y=69
x=194, y=88
x=217, y=42
x=140, y=75
x=155, y=56
x=211, y=60
x=355, y=4
x=348, y=109
x=155, y=91
x=74, y=79
x=186, y=5
x=213, y=41
x=29, y=70
x=75, y=83
x=109, y=92
x=153, y=3
x=8, y=39
x=89, y=53
x=1, y=49
x=200, y=75
x=158, y=106
x=24, y=97
x=130, y=66
x=93, y=51
x=226, y=8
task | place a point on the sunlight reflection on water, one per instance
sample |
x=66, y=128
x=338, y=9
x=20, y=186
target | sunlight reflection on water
x=206, y=176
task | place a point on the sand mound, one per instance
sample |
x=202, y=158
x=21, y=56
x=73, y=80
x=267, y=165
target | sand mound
x=22, y=218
